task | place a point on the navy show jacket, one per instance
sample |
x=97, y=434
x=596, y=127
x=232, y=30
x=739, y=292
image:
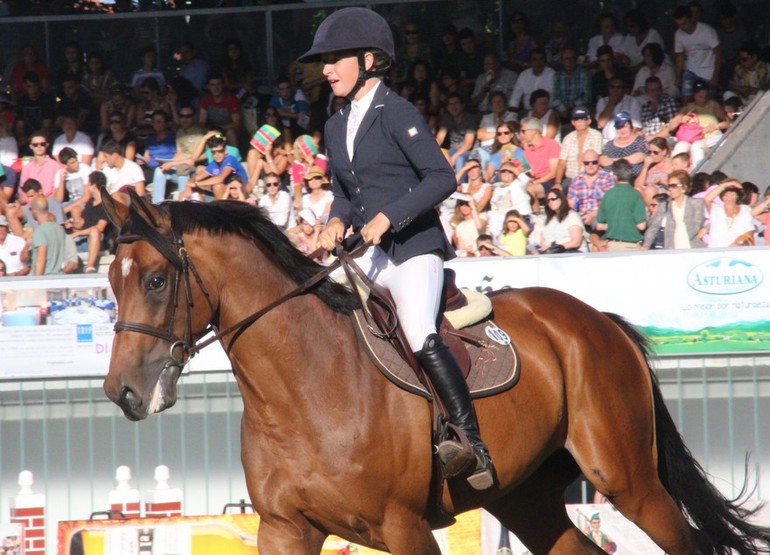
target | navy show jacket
x=397, y=169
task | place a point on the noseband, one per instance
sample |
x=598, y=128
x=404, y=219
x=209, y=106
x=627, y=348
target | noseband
x=173, y=249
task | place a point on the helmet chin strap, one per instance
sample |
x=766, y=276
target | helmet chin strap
x=363, y=74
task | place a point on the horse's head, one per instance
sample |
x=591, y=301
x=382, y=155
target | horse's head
x=154, y=329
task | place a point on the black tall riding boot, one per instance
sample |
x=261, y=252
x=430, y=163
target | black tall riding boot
x=446, y=376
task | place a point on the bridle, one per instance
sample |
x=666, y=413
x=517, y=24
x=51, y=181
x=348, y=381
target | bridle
x=173, y=249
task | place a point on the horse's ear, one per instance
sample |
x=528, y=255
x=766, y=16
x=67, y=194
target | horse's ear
x=117, y=212
x=155, y=217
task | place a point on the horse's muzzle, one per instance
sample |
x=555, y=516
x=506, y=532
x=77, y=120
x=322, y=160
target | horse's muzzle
x=130, y=402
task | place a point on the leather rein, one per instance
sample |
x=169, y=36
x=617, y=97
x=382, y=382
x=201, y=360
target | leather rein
x=173, y=249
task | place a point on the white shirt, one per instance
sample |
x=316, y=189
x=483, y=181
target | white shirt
x=628, y=104
x=505, y=82
x=527, y=83
x=81, y=144
x=358, y=109
x=634, y=51
x=698, y=49
x=10, y=253
x=9, y=151
x=490, y=122
x=278, y=211
x=129, y=174
x=615, y=42
x=76, y=182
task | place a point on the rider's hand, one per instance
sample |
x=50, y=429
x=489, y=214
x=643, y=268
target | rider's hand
x=332, y=234
x=375, y=229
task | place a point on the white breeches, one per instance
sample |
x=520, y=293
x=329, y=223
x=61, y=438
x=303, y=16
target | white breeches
x=415, y=286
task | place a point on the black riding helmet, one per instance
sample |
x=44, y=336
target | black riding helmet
x=357, y=29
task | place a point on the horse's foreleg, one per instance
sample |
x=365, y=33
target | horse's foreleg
x=280, y=536
x=409, y=535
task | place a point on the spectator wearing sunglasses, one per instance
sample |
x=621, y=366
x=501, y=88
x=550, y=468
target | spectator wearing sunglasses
x=588, y=187
x=41, y=167
x=181, y=165
x=277, y=201
x=681, y=217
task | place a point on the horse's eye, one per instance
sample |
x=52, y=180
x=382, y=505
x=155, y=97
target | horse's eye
x=156, y=282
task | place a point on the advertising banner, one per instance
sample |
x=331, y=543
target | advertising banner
x=686, y=302
x=699, y=301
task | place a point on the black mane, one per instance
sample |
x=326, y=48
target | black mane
x=239, y=218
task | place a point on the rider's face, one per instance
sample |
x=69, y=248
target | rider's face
x=341, y=71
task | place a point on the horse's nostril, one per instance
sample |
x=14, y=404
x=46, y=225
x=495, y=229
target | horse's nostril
x=128, y=398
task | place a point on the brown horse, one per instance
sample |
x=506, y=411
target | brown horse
x=329, y=446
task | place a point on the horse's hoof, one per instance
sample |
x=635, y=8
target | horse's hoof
x=455, y=459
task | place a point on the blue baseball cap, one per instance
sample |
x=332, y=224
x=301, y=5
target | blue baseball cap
x=580, y=112
x=622, y=118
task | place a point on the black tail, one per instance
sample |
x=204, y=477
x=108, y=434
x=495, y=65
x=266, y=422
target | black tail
x=719, y=524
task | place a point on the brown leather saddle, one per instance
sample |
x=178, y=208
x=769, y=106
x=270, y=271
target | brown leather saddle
x=484, y=351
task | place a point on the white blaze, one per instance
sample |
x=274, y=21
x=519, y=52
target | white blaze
x=156, y=401
x=125, y=266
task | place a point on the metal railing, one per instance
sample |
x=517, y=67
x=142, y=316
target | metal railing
x=73, y=438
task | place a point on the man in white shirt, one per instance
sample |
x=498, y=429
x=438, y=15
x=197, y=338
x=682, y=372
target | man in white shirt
x=617, y=101
x=697, y=53
x=121, y=173
x=74, y=139
x=495, y=78
x=539, y=76
x=14, y=251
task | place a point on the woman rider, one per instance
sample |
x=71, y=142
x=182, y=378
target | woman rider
x=388, y=174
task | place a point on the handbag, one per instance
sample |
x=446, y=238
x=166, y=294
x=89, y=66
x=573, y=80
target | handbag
x=690, y=130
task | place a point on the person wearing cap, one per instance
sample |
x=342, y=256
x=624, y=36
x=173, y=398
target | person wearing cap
x=318, y=198
x=627, y=145
x=14, y=251
x=305, y=235
x=510, y=193
x=600, y=538
x=622, y=214
x=615, y=102
x=575, y=144
x=388, y=175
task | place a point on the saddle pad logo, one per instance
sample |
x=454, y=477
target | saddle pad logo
x=497, y=335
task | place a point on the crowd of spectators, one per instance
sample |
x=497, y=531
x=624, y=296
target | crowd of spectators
x=555, y=148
